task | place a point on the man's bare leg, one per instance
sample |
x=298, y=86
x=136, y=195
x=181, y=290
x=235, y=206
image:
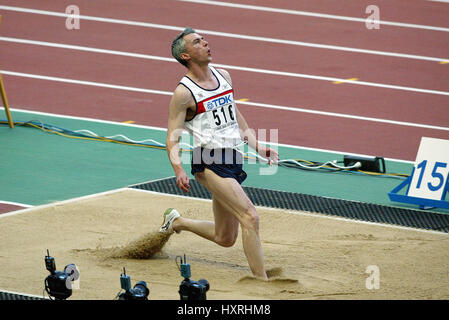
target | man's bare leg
x=223, y=230
x=205, y=229
x=233, y=199
x=231, y=206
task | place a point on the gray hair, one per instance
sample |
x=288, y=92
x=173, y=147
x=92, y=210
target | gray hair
x=178, y=45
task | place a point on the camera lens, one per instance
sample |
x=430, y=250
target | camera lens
x=204, y=283
x=141, y=290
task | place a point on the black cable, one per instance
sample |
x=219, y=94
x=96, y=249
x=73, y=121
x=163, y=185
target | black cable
x=307, y=165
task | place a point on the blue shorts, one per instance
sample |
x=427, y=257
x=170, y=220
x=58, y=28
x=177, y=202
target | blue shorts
x=227, y=163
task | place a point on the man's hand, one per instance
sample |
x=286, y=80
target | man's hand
x=270, y=154
x=182, y=181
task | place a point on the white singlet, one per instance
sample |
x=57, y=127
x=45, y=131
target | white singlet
x=214, y=125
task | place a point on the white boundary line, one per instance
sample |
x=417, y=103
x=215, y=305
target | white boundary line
x=228, y=35
x=165, y=129
x=28, y=210
x=240, y=68
x=254, y=104
x=317, y=15
x=48, y=205
x=303, y=213
x=16, y=204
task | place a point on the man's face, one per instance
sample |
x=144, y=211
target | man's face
x=197, y=48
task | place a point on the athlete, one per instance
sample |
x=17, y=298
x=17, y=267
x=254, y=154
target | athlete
x=203, y=103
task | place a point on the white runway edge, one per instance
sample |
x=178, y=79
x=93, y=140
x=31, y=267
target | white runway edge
x=18, y=204
x=48, y=205
x=29, y=210
x=225, y=34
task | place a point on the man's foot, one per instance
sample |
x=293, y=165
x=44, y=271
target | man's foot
x=170, y=215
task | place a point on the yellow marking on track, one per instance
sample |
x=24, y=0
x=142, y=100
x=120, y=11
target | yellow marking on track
x=443, y=62
x=350, y=79
x=243, y=100
x=129, y=121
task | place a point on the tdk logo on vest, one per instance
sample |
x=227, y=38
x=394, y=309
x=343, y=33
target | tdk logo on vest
x=220, y=101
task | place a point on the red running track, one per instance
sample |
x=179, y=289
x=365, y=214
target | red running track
x=296, y=128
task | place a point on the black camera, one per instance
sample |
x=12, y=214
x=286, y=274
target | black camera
x=190, y=289
x=139, y=292
x=59, y=283
x=193, y=290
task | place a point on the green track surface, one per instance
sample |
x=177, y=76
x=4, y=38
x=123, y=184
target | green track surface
x=39, y=168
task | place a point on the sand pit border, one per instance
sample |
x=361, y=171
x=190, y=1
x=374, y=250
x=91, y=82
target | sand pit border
x=311, y=214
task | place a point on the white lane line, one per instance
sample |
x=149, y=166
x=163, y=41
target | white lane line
x=341, y=115
x=231, y=67
x=86, y=83
x=230, y=35
x=315, y=14
x=87, y=49
x=55, y=115
x=253, y=104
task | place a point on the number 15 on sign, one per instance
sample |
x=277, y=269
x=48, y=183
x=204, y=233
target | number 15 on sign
x=431, y=171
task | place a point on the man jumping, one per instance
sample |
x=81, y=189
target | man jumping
x=203, y=103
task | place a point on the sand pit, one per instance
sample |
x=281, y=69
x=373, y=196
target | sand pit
x=308, y=257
